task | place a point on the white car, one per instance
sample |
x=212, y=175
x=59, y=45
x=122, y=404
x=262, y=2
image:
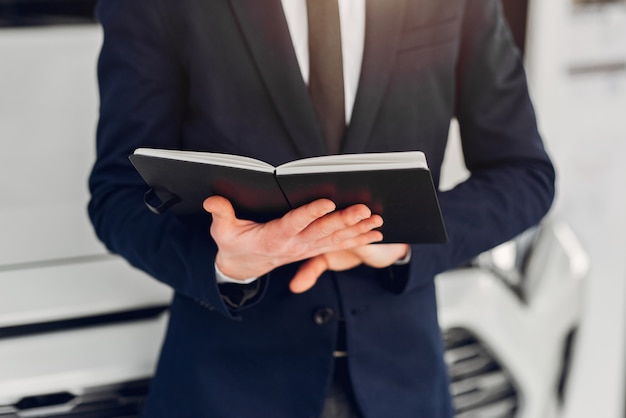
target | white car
x=80, y=330
x=509, y=323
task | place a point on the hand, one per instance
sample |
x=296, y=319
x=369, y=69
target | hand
x=249, y=249
x=377, y=255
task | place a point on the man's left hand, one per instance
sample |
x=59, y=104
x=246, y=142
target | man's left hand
x=374, y=255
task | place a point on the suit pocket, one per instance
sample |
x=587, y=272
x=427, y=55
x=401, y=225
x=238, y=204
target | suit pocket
x=431, y=48
x=423, y=37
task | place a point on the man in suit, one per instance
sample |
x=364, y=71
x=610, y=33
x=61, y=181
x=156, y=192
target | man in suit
x=283, y=319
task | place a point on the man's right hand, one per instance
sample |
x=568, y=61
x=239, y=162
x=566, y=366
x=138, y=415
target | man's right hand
x=249, y=249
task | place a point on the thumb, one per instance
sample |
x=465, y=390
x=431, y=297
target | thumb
x=308, y=273
x=219, y=207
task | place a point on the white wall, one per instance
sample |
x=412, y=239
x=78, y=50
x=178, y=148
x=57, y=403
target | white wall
x=583, y=119
x=48, y=113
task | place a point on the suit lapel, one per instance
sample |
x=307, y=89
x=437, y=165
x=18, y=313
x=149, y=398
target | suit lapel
x=265, y=30
x=382, y=31
x=267, y=34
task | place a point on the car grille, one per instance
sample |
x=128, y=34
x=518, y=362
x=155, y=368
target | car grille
x=120, y=400
x=124, y=400
x=480, y=387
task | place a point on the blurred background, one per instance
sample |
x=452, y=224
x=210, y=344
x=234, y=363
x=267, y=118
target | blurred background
x=80, y=330
x=577, y=68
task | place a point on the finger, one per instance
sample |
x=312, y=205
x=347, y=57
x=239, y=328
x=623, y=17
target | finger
x=363, y=227
x=224, y=219
x=360, y=234
x=337, y=221
x=219, y=207
x=370, y=237
x=381, y=255
x=308, y=273
x=297, y=220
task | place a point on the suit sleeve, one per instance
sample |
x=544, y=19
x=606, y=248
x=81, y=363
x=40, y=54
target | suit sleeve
x=511, y=186
x=142, y=99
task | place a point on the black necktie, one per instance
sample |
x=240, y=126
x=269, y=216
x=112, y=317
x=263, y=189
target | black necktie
x=326, y=70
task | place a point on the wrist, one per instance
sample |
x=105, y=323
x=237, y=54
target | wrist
x=223, y=278
x=404, y=259
x=234, y=270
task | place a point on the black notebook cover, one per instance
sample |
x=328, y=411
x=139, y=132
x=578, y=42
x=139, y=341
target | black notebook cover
x=255, y=195
x=405, y=198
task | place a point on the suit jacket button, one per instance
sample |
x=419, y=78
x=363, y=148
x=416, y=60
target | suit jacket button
x=323, y=315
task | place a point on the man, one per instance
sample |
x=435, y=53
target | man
x=305, y=313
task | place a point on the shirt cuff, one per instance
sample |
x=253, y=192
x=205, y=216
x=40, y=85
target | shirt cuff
x=222, y=278
x=404, y=260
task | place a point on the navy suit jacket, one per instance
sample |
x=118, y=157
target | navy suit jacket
x=222, y=76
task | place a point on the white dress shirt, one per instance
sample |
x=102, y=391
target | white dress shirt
x=352, y=21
